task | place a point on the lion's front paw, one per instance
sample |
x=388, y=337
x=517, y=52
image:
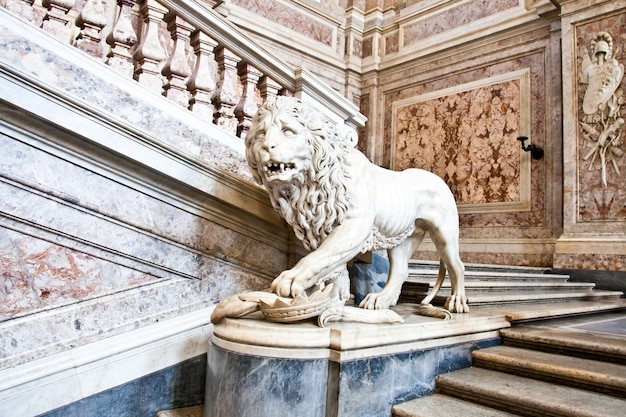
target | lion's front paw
x=457, y=303
x=378, y=301
x=288, y=284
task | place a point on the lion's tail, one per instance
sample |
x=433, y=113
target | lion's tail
x=438, y=284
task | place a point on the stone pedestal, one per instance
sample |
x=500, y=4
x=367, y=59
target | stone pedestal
x=260, y=369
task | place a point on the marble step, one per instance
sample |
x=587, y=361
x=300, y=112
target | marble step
x=431, y=275
x=578, y=342
x=434, y=265
x=525, y=396
x=536, y=312
x=472, y=285
x=443, y=405
x=491, y=299
x=594, y=375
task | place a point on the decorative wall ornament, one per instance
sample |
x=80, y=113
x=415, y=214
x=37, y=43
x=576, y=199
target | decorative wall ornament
x=602, y=123
x=339, y=205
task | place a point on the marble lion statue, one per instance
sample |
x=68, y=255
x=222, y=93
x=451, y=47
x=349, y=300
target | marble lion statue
x=340, y=204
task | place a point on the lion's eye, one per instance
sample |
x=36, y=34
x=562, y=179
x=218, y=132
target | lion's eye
x=288, y=132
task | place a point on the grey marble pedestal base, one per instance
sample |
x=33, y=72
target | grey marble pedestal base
x=348, y=370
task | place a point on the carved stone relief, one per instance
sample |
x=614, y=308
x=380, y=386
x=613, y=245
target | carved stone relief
x=602, y=123
x=600, y=118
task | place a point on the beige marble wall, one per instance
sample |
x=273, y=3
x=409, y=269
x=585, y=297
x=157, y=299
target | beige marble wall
x=460, y=117
x=594, y=215
x=118, y=208
x=448, y=90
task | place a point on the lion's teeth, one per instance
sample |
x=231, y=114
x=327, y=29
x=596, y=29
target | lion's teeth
x=282, y=167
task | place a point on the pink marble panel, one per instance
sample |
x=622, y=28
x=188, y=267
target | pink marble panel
x=596, y=203
x=36, y=274
x=489, y=222
x=357, y=48
x=468, y=139
x=392, y=44
x=367, y=47
x=590, y=261
x=456, y=17
x=289, y=18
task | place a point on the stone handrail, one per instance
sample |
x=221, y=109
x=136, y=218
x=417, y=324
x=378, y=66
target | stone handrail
x=185, y=51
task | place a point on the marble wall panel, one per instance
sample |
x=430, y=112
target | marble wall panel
x=468, y=138
x=290, y=18
x=596, y=202
x=37, y=275
x=453, y=18
x=171, y=388
x=592, y=262
x=494, y=101
x=153, y=211
x=132, y=227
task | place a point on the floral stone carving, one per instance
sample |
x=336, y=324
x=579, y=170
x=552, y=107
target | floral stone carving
x=602, y=122
x=339, y=205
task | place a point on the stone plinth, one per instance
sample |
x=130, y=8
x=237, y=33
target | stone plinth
x=257, y=368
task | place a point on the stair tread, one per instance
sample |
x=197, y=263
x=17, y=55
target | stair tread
x=433, y=273
x=443, y=405
x=414, y=263
x=571, y=338
x=552, y=310
x=538, y=295
x=526, y=296
x=527, y=396
x=604, y=375
x=510, y=284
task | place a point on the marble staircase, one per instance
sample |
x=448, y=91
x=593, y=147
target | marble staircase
x=495, y=285
x=567, y=367
x=564, y=354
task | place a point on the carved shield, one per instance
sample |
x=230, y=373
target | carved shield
x=602, y=85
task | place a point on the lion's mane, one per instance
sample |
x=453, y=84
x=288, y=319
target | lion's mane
x=316, y=200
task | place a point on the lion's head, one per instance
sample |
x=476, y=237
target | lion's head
x=299, y=155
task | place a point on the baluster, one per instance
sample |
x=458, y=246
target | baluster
x=150, y=53
x=226, y=96
x=58, y=21
x=248, y=104
x=27, y=10
x=122, y=38
x=177, y=69
x=269, y=88
x=91, y=21
x=202, y=84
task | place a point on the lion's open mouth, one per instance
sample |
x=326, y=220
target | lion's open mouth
x=275, y=168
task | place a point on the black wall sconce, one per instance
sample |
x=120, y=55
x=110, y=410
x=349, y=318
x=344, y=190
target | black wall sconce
x=535, y=151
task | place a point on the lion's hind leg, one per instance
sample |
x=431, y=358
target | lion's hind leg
x=447, y=244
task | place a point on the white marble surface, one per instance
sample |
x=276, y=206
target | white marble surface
x=48, y=383
x=344, y=341
x=118, y=208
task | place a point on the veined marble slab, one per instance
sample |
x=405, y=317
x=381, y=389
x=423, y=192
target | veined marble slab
x=347, y=341
x=54, y=381
x=257, y=368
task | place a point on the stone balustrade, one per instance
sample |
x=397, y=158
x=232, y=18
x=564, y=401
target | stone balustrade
x=184, y=51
